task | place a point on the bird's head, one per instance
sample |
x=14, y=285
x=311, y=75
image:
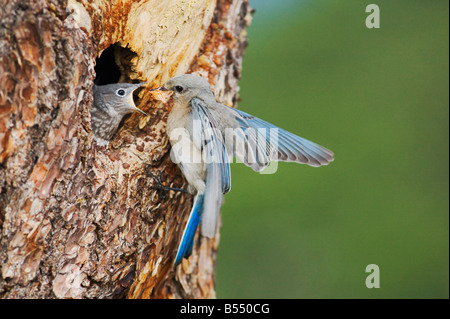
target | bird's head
x=187, y=86
x=120, y=96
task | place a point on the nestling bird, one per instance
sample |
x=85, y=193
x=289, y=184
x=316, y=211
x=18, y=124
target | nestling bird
x=205, y=134
x=111, y=103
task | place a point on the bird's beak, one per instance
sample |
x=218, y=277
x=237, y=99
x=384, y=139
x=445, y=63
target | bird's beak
x=135, y=108
x=140, y=111
x=161, y=88
x=138, y=85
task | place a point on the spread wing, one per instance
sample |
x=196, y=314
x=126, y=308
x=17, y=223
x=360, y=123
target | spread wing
x=274, y=143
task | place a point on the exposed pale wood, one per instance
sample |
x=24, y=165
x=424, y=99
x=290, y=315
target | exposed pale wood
x=78, y=220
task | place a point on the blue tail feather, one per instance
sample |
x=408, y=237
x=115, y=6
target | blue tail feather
x=187, y=240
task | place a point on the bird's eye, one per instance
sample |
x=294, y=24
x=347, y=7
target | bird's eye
x=120, y=92
x=179, y=88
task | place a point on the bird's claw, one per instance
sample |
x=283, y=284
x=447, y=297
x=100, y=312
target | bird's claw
x=160, y=185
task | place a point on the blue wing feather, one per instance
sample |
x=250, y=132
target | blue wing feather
x=215, y=157
x=215, y=144
x=218, y=181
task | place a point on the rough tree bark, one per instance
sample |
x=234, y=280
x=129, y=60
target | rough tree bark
x=78, y=220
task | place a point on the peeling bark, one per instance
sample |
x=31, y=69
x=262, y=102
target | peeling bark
x=82, y=221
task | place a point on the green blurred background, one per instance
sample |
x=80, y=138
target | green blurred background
x=379, y=99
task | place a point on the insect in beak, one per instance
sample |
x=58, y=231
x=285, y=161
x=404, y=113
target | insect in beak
x=161, y=93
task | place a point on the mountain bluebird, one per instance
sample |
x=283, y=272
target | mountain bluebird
x=205, y=135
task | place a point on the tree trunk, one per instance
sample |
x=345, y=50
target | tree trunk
x=82, y=221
